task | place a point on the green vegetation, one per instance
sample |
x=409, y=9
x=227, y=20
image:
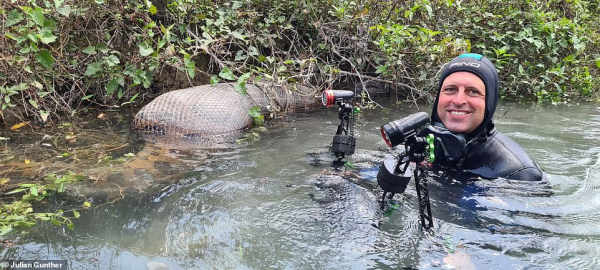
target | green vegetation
x=19, y=213
x=59, y=56
x=35, y=171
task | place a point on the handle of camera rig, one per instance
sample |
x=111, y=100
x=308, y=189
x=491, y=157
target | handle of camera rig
x=423, y=197
x=417, y=152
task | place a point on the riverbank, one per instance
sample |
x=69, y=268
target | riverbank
x=115, y=54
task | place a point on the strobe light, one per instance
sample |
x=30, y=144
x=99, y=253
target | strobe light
x=396, y=132
x=336, y=97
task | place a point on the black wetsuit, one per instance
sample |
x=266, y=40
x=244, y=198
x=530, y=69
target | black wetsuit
x=494, y=155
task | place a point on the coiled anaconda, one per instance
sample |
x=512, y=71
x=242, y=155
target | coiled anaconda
x=209, y=115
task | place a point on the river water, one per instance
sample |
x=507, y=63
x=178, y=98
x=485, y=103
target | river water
x=273, y=202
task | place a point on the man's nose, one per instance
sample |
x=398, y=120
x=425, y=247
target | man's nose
x=460, y=97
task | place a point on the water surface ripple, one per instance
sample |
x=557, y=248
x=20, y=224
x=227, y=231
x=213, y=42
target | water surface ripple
x=275, y=203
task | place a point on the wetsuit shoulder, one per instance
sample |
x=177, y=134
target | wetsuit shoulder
x=501, y=156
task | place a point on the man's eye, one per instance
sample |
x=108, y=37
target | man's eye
x=449, y=90
x=474, y=93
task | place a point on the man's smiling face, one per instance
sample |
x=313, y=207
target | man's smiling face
x=461, y=104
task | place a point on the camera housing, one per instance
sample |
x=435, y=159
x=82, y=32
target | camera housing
x=396, y=132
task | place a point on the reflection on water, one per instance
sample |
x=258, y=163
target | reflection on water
x=275, y=204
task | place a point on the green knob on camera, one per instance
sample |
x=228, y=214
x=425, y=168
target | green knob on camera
x=431, y=147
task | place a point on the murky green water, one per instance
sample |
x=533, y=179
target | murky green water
x=267, y=205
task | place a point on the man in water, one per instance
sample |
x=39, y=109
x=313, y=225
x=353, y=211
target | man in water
x=465, y=104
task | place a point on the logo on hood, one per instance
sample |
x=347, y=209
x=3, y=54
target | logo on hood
x=460, y=64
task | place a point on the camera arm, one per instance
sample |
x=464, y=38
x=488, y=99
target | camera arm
x=344, y=142
x=417, y=149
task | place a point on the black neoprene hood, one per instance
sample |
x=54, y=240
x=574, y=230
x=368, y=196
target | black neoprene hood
x=484, y=69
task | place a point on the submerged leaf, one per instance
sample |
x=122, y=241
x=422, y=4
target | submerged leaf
x=55, y=221
x=5, y=230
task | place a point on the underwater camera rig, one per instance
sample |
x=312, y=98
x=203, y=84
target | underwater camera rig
x=395, y=173
x=422, y=141
x=344, y=142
